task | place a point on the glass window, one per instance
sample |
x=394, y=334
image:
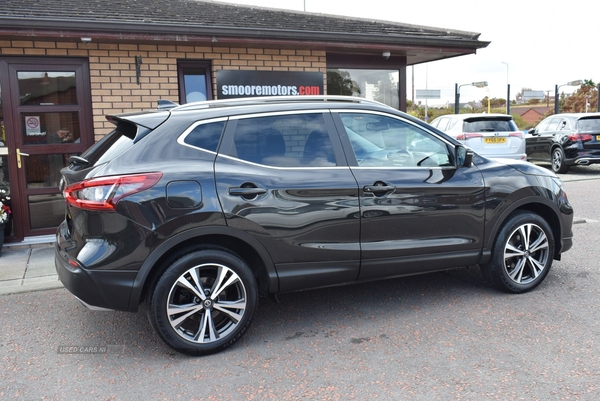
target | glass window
x=489, y=125
x=47, y=88
x=553, y=124
x=443, y=124
x=205, y=136
x=379, y=85
x=380, y=141
x=194, y=81
x=299, y=140
x=50, y=128
x=589, y=125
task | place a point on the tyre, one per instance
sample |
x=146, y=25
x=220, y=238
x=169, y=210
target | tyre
x=558, y=161
x=522, y=253
x=204, y=302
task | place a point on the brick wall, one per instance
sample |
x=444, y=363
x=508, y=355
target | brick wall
x=113, y=77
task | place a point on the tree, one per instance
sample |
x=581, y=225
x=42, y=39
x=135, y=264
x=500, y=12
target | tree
x=494, y=102
x=586, y=94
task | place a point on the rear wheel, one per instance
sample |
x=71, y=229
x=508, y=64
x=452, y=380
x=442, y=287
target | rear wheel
x=204, y=302
x=558, y=161
x=522, y=253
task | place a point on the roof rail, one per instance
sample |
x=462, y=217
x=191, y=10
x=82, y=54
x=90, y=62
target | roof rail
x=272, y=99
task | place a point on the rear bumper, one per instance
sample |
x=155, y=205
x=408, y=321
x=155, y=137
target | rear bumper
x=97, y=289
x=583, y=161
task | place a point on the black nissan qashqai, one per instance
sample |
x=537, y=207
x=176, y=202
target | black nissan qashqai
x=199, y=209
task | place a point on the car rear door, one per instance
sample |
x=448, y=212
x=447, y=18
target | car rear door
x=283, y=179
x=419, y=212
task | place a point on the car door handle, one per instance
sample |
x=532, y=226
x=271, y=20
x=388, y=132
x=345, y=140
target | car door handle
x=378, y=188
x=247, y=192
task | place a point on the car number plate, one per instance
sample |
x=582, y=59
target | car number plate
x=598, y=137
x=494, y=140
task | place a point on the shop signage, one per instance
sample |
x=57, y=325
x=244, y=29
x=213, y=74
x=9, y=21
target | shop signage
x=233, y=84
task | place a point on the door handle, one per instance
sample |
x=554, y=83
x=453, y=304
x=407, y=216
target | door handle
x=19, y=154
x=247, y=192
x=378, y=188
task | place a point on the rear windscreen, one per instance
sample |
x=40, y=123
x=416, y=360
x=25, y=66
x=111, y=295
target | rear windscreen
x=107, y=148
x=589, y=125
x=489, y=126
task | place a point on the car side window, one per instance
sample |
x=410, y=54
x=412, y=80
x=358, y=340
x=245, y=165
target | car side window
x=381, y=141
x=297, y=140
x=443, y=125
x=564, y=125
x=205, y=135
x=553, y=124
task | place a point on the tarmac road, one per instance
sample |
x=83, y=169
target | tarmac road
x=446, y=336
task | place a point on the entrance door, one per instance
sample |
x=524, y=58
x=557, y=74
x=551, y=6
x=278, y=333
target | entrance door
x=47, y=117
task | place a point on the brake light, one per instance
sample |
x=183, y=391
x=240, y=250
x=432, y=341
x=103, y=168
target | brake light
x=103, y=194
x=468, y=135
x=580, y=137
x=517, y=134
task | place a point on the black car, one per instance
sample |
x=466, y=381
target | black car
x=200, y=209
x=565, y=140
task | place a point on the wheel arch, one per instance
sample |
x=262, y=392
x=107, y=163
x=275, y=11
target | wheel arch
x=221, y=237
x=544, y=208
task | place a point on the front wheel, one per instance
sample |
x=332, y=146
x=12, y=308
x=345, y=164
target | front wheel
x=204, y=302
x=558, y=161
x=522, y=253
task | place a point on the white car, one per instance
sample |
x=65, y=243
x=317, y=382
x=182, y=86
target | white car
x=490, y=135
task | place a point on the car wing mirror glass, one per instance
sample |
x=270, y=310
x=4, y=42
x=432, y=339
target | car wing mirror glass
x=464, y=157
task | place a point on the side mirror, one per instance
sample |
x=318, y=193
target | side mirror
x=531, y=131
x=464, y=156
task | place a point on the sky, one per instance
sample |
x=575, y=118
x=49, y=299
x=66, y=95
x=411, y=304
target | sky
x=535, y=44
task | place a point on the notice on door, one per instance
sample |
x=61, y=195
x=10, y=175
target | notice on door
x=32, y=126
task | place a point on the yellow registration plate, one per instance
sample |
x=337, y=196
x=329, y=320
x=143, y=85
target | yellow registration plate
x=598, y=137
x=494, y=140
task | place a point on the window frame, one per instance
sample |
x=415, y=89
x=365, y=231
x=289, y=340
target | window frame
x=350, y=61
x=197, y=64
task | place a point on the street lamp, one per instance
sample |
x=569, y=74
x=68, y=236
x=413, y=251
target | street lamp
x=556, y=87
x=481, y=84
x=507, y=89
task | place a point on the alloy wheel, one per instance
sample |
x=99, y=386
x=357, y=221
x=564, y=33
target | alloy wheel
x=206, y=303
x=526, y=253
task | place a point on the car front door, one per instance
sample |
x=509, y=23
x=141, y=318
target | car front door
x=419, y=211
x=283, y=179
x=539, y=143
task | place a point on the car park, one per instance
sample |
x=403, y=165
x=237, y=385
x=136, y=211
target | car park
x=490, y=135
x=199, y=209
x=565, y=140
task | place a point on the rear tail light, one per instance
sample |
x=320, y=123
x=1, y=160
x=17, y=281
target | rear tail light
x=103, y=194
x=468, y=135
x=580, y=137
x=517, y=134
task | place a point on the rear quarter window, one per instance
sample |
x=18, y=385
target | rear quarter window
x=205, y=135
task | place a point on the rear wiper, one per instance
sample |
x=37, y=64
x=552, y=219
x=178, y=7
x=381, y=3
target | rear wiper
x=78, y=160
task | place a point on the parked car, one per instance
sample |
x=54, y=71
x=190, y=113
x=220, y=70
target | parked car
x=490, y=135
x=200, y=209
x=565, y=140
